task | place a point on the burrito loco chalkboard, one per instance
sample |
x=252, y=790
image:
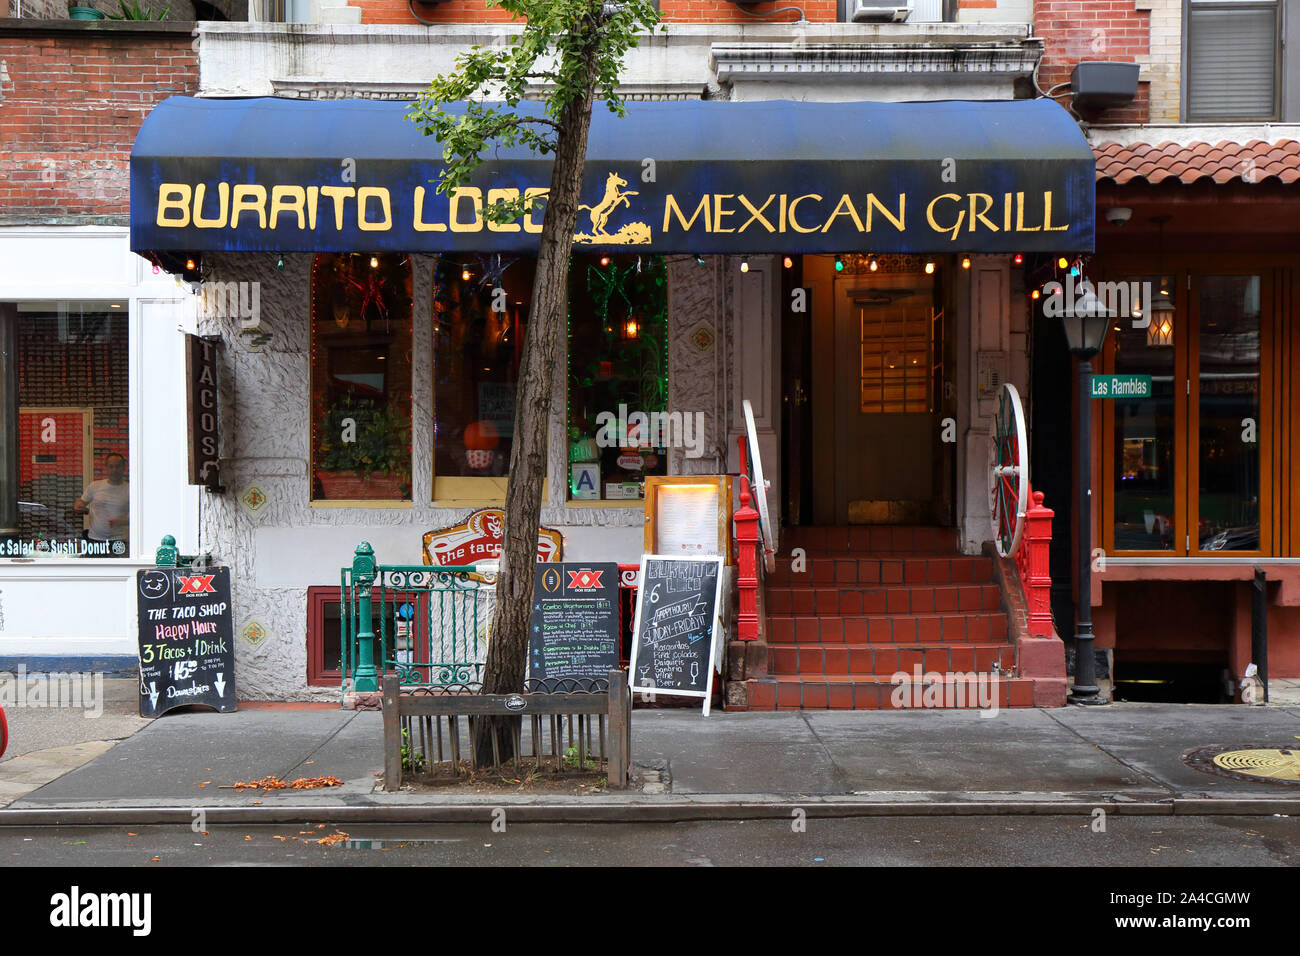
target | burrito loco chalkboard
x=186, y=638
x=676, y=622
x=573, y=629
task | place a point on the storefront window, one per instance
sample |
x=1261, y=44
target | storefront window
x=618, y=427
x=1144, y=427
x=480, y=313
x=361, y=377
x=1229, y=413
x=65, y=487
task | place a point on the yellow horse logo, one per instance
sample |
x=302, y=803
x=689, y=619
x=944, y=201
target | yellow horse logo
x=634, y=233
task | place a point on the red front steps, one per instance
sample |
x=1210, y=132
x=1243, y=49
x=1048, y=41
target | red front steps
x=867, y=618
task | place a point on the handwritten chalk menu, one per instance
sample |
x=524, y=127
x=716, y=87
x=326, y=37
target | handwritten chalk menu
x=573, y=629
x=673, y=640
x=186, y=635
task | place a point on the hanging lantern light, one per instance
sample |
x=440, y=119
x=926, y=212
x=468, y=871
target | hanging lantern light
x=1160, y=331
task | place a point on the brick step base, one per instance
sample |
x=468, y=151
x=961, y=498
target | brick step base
x=844, y=692
x=980, y=627
x=870, y=538
x=824, y=569
x=898, y=599
x=883, y=661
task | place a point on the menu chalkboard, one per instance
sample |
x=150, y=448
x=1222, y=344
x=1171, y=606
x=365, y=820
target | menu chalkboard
x=573, y=629
x=673, y=645
x=187, y=643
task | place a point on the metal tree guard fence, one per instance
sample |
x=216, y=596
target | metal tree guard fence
x=428, y=624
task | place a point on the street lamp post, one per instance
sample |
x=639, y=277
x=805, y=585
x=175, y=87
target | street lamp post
x=1086, y=321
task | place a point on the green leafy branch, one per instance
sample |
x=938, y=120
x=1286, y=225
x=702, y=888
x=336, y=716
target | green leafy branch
x=559, y=44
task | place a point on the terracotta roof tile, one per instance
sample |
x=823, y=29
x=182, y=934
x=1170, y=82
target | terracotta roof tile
x=1221, y=162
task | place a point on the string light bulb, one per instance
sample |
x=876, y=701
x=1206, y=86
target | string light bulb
x=839, y=264
x=744, y=264
x=1035, y=295
x=1062, y=262
x=279, y=263
x=965, y=262
x=464, y=274
x=929, y=268
x=1018, y=259
x=374, y=262
x=189, y=265
x=604, y=261
x=788, y=262
x=874, y=265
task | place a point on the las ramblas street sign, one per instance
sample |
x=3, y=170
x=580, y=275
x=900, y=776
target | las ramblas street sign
x=1120, y=386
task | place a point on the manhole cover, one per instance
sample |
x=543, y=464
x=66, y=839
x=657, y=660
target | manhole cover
x=1259, y=764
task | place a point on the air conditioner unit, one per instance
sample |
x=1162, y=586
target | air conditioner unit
x=866, y=12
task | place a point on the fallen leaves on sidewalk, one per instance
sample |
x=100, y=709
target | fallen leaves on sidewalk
x=337, y=837
x=275, y=783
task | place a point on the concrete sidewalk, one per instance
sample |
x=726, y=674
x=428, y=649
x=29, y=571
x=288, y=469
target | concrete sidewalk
x=1125, y=756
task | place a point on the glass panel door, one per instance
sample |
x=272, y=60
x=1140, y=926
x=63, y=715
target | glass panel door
x=1143, y=451
x=1226, y=398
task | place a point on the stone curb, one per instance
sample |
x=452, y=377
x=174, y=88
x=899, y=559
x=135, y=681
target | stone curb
x=624, y=812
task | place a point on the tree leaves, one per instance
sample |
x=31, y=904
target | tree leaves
x=550, y=60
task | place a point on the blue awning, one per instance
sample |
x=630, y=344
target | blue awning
x=273, y=174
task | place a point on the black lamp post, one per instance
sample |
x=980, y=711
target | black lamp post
x=1086, y=321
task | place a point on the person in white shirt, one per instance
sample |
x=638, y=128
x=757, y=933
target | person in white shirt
x=107, y=501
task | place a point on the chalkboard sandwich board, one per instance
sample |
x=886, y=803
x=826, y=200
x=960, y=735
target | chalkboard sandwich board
x=674, y=638
x=186, y=639
x=573, y=628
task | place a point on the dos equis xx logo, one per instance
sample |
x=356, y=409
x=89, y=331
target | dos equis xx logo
x=584, y=580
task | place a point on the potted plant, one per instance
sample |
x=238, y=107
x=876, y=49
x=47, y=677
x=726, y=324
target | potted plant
x=134, y=11
x=76, y=12
x=368, y=459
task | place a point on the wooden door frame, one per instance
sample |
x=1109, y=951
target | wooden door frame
x=1279, y=404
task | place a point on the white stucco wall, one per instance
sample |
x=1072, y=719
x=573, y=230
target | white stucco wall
x=288, y=545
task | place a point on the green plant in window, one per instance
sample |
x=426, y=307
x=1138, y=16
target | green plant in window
x=362, y=436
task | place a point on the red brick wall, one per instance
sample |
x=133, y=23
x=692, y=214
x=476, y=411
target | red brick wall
x=689, y=11
x=72, y=105
x=1074, y=30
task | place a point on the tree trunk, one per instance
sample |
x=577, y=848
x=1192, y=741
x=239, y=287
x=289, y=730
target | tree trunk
x=507, y=655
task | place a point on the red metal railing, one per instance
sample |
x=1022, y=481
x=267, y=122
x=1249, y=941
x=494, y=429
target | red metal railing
x=748, y=556
x=1032, y=563
x=628, y=583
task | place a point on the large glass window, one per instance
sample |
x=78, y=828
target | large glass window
x=361, y=378
x=619, y=430
x=65, y=487
x=480, y=313
x=1228, y=408
x=1143, y=435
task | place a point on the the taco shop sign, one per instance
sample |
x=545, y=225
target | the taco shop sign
x=478, y=538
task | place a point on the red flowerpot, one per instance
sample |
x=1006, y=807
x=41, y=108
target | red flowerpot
x=350, y=486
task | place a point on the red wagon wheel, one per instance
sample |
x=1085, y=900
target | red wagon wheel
x=1009, y=473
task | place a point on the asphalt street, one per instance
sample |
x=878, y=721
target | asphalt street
x=886, y=841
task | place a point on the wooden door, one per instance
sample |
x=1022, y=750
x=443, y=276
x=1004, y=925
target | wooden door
x=885, y=427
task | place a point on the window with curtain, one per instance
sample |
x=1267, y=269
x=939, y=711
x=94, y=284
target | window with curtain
x=1233, y=60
